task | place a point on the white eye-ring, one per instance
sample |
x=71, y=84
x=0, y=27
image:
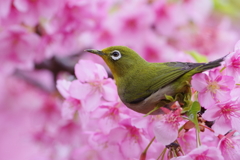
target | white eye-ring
x=116, y=55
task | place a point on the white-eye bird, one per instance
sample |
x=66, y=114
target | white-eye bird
x=143, y=86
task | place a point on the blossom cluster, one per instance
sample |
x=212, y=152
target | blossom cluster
x=32, y=31
x=48, y=112
x=93, y=101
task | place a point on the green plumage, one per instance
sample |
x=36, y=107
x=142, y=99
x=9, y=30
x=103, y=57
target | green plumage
x=140, y=83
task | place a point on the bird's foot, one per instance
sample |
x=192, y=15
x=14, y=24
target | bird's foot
x=175, y=98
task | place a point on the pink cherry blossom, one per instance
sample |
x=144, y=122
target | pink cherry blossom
x=132, y=140
x=235, y=94
x=230, y=146
x=106, y=149
x=225, y=115
x=70, y=107
x=33, y=11
x=18, y=49
x=139, y=20
x=92, y=87
x=109, y=116
x=232, y=64
x=63, y=87
x=170, y=123
x=37, y=115
x=70, y=29
x=212, y=88
x=188, y=142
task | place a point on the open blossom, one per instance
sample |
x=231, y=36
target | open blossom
x=233, y=65
x=212, y=88
x=225, y=115
x=70, y=105
x=92, y=86
x=18, y=49
x=230, y=146
x=33, y=11
x=109, y=116
x=166, y=130
x=102, y=146
x=131, y=139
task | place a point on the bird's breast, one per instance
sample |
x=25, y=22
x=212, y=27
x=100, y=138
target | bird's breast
x=149, y=103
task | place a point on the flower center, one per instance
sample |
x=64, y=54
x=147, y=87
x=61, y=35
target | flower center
x=236, y=63
x=173, y=119
x=213, y=86
x=228, y=143
x=229, y=111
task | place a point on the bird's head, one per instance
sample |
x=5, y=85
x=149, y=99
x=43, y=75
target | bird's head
x=120, y=59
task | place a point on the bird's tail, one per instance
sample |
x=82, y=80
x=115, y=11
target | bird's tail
x=212, y=64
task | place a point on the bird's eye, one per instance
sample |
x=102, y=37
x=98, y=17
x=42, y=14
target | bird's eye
x=116, y=55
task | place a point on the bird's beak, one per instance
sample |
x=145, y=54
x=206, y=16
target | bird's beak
x=98, y=52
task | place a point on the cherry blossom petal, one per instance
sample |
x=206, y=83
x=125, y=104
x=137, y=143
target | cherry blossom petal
x=235, y=123
x=63, y=87
x=165, y=133
x=227, y=81
x=130, y=148
x=237, y=46
x=221, y=126
x=100, y=72
x=222, y=96
x=199, y=82
x=68, y=110
x=109, y=90
x=79, y=90
x=92, y=101
x=212, y=113
x=214, y=74
x=84, y=71
x=235, y=94
x=206, y=100
x=5, y=6
x=21, y=5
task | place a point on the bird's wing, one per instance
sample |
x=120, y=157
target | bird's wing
x=161, y=77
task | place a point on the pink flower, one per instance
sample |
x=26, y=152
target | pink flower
x=235, y=94
x=202, y=153
x=33, y=11
x=233, y=65
x=18, y=49
x=212, y=88
x=129, y=24
x=230, y=146
x=225, y=115
x=137, y=21
x=92, y=86
x=132, y=140
x=105, y=148
x=187, y=140
x=166, y=130
x=69, y=108
x=109, y=116
x=70, y=105
x=63, y=87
